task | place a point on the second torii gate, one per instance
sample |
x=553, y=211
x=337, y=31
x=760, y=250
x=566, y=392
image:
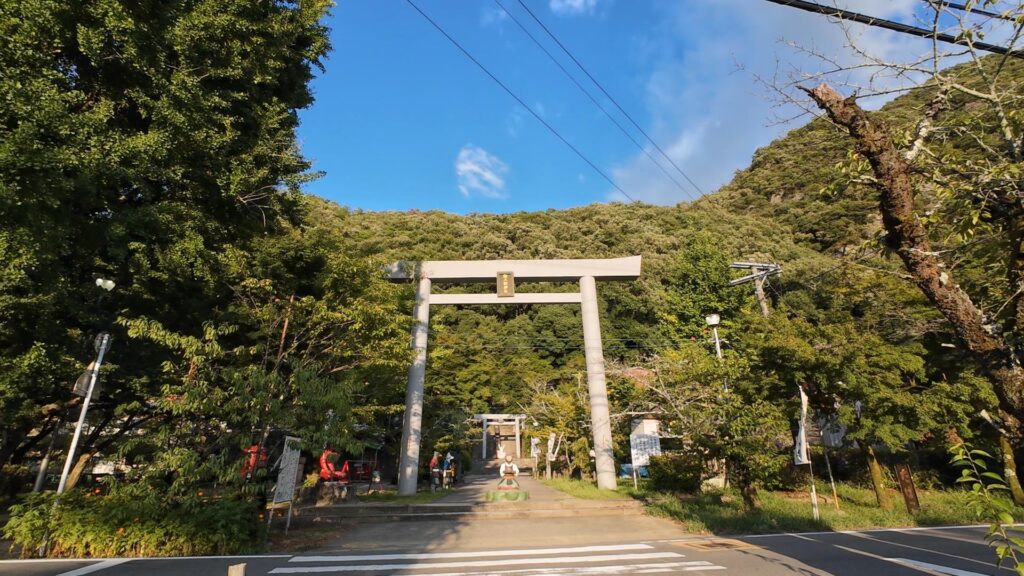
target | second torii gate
x=504, y=273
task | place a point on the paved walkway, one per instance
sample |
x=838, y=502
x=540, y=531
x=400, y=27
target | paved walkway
x=483, y=532
x=475, y=487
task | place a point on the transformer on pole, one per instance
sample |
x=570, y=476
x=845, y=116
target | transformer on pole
x=758, y=273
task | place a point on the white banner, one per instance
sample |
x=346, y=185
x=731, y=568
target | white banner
x=289, y=471
x=800, y=446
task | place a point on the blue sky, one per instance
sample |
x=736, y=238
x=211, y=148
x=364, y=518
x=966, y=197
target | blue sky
x=403, y=120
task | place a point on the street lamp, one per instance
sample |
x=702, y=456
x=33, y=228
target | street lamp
x=713, y=320
x=86, y=386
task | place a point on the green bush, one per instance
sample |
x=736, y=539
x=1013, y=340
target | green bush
x=680, y=472
x=135, y=521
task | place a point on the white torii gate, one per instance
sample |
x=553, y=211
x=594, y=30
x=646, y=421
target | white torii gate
x=487, y=419
x=504, y=273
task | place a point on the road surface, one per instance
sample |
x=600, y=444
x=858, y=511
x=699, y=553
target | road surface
x=953, y=551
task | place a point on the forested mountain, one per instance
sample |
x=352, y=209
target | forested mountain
x=801, y=204
x=485, y=358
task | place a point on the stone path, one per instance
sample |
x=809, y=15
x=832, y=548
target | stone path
x=475, y=486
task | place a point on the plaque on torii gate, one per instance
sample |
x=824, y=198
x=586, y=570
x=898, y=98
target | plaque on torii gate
x=502, y=272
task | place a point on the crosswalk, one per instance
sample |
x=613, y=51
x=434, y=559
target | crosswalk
x=613, y=559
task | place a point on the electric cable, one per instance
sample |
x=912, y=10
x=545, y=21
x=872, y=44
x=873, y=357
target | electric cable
x=609, y=96
x=897, y=26
x=589, y=96
x=969, y=9
x=519, y=100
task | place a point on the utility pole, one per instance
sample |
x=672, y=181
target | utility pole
x=758, y=273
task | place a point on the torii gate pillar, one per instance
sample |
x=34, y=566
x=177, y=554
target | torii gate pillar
x=412, y=423
x=600, y=419
x=586, y=272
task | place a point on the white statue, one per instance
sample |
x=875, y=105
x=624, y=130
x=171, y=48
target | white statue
x=508, y=472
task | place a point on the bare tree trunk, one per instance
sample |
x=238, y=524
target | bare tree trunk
x=1010, y=470
x=876, y=478
x=76, y=471
x=750, y=497
x=908, y=237
x=1015, y=274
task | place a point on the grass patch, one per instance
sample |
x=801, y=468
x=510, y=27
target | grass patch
x=723, y=513
x=392, y=497
x=586, y=490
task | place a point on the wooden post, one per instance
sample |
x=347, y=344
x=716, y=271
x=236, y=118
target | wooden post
x=906, y=480
x=236, y=570
x=831, y=480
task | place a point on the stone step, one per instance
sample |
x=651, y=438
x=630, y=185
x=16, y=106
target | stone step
x=477, y=511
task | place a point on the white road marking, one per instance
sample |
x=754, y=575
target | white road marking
x=58, y=560
x=978, y=539
x=912, y=529
x=928, y=550
x=623, y=569
x=94, y=567
x=619, y=569
x=480, y=554
x=476, y=563
x=918, y=565
x=860, y=552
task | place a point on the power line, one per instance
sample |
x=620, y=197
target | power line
x=969, y=9
x=842, y=264
x=897, y=26
x=594, y=100
x=519, y=100
x=605, y=92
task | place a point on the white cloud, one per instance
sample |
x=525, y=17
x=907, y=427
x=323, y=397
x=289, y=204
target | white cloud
x=514, y=122
x=572, y=7
x=492, y=15
x=480, y=173
x=708, y=115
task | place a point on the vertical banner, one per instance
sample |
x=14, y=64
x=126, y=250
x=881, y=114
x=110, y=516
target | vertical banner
x=800, y=446
x=288, y=472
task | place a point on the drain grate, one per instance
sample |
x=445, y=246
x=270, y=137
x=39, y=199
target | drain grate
x=721, y=544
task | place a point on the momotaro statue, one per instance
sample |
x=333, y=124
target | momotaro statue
x=508, y=471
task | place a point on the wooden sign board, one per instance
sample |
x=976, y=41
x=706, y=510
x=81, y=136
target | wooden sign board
x=506, y=285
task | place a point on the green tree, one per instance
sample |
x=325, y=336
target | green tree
x=944, y=193
x=141, y=142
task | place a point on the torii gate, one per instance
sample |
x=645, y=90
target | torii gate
x=504, y=273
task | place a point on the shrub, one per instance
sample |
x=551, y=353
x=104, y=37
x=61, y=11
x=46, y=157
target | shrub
x=135, y=521
x=680, y=472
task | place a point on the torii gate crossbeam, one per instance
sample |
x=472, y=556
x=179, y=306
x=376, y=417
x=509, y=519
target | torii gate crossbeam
x=586, y=272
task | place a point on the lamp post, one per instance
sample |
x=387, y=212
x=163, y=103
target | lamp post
x=714, y=320
x=86, y=386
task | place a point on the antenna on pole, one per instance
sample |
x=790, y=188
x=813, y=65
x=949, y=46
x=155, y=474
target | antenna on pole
x=758, y=273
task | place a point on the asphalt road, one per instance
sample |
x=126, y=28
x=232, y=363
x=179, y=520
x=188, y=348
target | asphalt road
x=954, y=551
